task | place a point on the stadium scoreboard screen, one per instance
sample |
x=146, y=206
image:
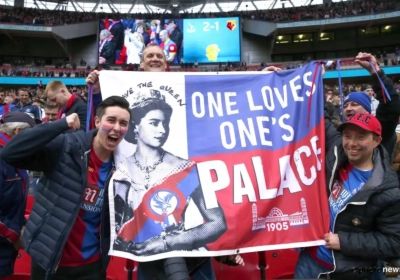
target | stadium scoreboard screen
x=205, y=40
x=211, y=40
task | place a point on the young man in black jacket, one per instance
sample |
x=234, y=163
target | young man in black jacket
x=68, y=231
x=154, y=60
x=69, y=103
x=13, y=194
x=364, y=200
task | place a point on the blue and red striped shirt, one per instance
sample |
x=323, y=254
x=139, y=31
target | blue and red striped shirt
x=5, y=108
x=83, y=244
x=351, y=180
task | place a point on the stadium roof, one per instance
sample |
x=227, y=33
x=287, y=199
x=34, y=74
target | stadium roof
x=166, y=6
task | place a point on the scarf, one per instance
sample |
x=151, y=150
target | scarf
x=6, y=107
x=112, y=24
x=67, y=106
x=4, y=139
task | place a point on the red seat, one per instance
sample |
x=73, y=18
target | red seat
x=251, y=270
x=23, y=264
x=281, y=263
x=119, y=269
x=18, y=277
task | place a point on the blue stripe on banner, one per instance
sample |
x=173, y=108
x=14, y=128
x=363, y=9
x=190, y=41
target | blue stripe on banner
x=189, y=183
x=249, y=112
x=149, y=229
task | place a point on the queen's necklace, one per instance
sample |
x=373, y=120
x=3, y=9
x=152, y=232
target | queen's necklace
x=149, y=169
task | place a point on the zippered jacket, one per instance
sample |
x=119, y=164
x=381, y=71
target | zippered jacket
x=63, y=158
x=369, y=224
x=13, y=195
x=32, y=110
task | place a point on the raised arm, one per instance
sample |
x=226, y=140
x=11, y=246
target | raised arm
x=39, y=148
x=388, y=111
x=332, y=136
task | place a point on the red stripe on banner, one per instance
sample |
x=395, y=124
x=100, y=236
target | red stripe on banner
x=293, y=204
x=7, y=233
x=130, y=229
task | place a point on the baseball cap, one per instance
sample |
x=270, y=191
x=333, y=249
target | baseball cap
x=18, y=117
x=365, y=121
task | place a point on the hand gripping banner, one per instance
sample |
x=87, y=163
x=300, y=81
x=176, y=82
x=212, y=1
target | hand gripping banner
x=218, y=163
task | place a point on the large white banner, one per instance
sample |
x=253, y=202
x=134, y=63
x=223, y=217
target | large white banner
x=216, y=164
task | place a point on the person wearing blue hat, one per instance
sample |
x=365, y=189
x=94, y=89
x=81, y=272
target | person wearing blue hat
x=388, y=111
x=356, y=102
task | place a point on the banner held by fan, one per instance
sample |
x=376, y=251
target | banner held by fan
x=215, y=164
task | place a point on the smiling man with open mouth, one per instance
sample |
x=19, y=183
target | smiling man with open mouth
x=69, y=220
x=364, y=204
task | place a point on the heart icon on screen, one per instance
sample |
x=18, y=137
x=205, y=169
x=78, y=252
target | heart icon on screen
x=231, y=24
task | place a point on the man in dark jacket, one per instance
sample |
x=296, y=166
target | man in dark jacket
x=364, y=200
x=57, y=92
x=106, y=48
x=118, y=31
x=68, y=231
x=387, y=111
x=175, y=35
x=13, y=194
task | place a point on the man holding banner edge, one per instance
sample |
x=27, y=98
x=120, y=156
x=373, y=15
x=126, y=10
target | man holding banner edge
x=359, y=175
x=154, y=61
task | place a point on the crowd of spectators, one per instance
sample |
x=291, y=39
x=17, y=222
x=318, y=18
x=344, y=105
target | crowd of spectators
x=43, y=17
x=64, y=69
x=36, y=93
x=334, y=10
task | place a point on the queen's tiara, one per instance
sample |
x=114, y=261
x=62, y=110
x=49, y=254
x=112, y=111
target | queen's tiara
x=144, y=97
